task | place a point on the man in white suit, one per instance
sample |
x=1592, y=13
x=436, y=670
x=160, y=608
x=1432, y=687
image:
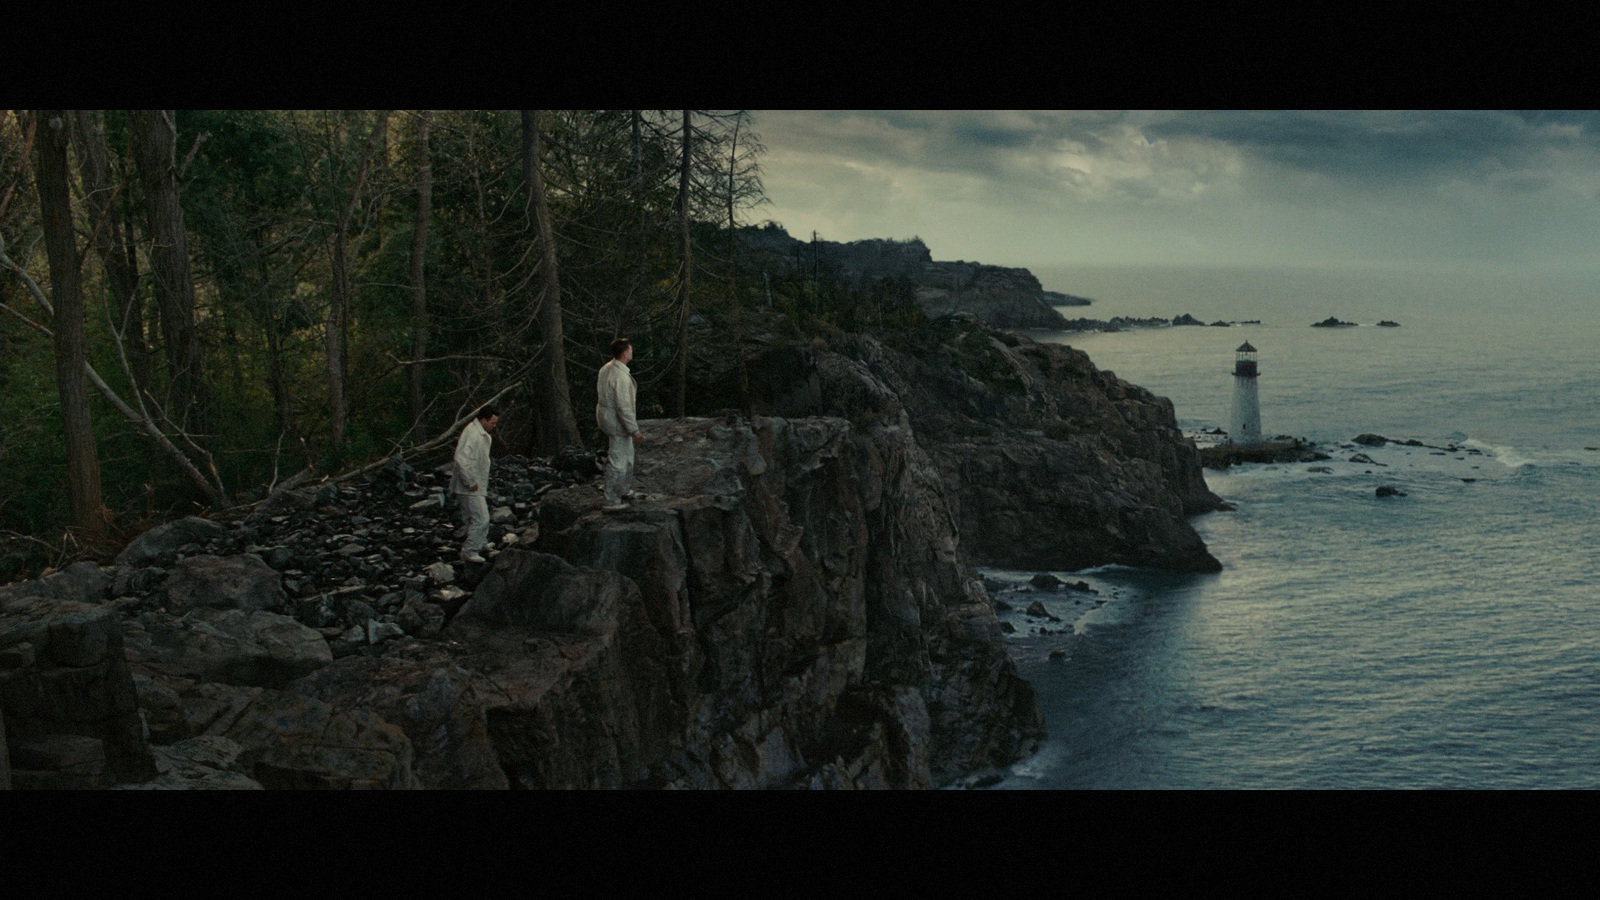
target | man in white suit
x=614, y=412
x=469, y=480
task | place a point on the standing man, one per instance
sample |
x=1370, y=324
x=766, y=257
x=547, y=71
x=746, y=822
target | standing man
x=469, y=480
x=615, y=414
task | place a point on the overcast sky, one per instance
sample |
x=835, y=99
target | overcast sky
x=1032, y=188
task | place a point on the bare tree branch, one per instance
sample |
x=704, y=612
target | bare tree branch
x=141, y=420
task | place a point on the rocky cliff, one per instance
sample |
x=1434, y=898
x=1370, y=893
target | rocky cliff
x=786, y=606
x=1048, y=462
x=1001, y=296
x=789, y=603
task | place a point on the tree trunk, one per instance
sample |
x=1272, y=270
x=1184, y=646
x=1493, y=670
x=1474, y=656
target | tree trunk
x=274, y=331
x=94, y=161
x=733, y=275
x=339, y=305
x=66, y=287
x=156, y=134
x=557, y=425
x=419, y=252
x=681, y=375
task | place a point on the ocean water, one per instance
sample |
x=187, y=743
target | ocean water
x=1446, y=639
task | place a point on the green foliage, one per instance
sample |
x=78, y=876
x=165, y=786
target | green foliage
x=261, y=191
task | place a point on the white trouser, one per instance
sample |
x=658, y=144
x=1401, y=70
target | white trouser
x=619, y=468
x=475, y=511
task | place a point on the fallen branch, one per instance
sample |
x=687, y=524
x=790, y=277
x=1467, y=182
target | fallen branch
x=433, y=444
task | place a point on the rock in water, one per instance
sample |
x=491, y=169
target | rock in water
x=1388, y=490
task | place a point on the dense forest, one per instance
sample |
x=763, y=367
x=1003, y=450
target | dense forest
x=200, y=306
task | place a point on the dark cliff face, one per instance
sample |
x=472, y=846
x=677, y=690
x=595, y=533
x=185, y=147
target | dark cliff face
x=815, y=623
x=1048, y=462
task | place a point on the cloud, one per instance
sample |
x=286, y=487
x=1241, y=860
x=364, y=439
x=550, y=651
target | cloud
x=1172, y=185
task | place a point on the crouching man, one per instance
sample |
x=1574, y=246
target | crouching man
x=469, y=481
x=614, y=412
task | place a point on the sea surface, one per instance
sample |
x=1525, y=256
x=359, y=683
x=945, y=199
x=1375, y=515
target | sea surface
x=1449, y=638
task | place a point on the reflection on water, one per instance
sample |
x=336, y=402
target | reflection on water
x=1445, y=639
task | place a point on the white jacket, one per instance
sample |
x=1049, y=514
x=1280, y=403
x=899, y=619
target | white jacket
x=617, y=391
x=471, y=466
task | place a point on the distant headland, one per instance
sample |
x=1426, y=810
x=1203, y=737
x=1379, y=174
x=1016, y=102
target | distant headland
x=1001, y=296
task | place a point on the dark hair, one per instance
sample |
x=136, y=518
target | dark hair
x=488, y=412
x=620, y=346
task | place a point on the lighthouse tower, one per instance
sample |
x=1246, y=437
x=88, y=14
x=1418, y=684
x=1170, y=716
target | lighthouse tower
x=1244, y=428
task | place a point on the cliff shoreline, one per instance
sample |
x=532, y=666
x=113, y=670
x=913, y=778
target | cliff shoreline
x=793, y=602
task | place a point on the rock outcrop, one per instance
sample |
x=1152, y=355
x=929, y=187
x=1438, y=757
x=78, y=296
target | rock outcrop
x=1047, y=462
x=67, y=695
x=810, y=617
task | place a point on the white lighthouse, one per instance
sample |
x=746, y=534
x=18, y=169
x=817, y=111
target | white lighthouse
x=1244, y=428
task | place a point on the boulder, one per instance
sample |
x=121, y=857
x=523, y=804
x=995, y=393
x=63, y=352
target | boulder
x=545, y=593
x=1044, y=581
x=161, y=709
x=197, y=764
x=81, y=582
x=432, y=700
x=63, y=673
x=1370, y=439
x=232, y=646
x=421, y=618
x=1389, y=490
x=59, y=762
x=289, y=741
x=224, y=582
x=328, y=610
x=163, y=540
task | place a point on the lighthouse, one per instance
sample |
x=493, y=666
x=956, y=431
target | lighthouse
x=1244, y=428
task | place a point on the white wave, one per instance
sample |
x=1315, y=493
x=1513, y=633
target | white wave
x=1041, y=764
x=1510, y=457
